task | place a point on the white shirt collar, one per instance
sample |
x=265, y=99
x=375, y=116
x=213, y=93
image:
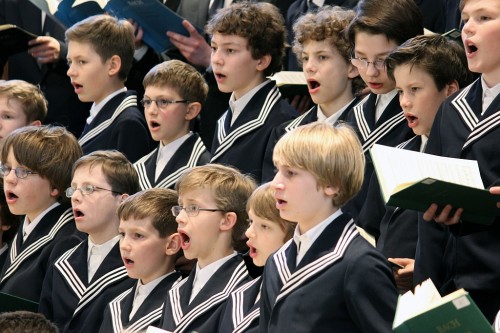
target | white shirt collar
x=237, y=106
x=382, y=101
x=489, y=94
x=104, y=248
x=204, y=274
x=144, y=290
x=28, y=226
x=334, y=117
x=94, y=110
x=165, y=153
x=305, y=241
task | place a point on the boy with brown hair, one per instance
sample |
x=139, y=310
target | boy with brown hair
x=149, y=245
x=84, y=279
x=324, y=51
x=248, y=44
x=173, y=98
x=36, y=169
x=460, y=253
x=21, y=104
x=100, y=54
x=313, y=181
x=378, y=28
x=211, y=219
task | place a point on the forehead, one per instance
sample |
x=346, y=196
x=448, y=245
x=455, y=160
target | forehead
x=90, y=172
x=159, y=90
x=229, y=40
x=375, y=45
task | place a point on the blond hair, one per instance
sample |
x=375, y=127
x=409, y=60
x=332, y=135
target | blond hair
x=333, y=155
x=32, y=99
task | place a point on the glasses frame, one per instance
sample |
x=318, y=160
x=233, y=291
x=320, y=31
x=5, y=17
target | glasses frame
x=192, y=210
x=364, y=64
x=161, y=103
x=21, y=173
x=70, y=191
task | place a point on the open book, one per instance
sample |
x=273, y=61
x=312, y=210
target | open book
x=291, y=83
x=425, y=311
x=414, y=180
x=14, y=39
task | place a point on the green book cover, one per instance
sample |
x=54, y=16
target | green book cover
x=479, y=205
x=14, y=303
x=458, y=315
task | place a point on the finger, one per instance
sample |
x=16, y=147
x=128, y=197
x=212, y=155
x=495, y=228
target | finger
x=190, y=28
x=430, y=212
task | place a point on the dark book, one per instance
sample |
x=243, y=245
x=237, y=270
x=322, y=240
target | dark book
x=14, y=303
x=14, y=39
x=414, y=180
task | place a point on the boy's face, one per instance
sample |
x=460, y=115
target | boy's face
x=264, y=238
x=143, y=252
x=327, y=73
x=234, y=68
x=89, y=76
x=199, y=233
x=95, y=213
x=29, y=196
x=418, y=96
x=371, y=48
x=481, y=38
x=170, y=122
x=12, y=116
x=292, y=185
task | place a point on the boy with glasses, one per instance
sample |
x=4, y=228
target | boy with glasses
x=82, y=281
x=36, y=170
x=378, y=28
x=173, y=98
x=211, y=219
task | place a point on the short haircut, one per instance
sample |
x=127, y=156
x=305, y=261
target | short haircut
x=179, y=76
x=49, y=151
x=398, y=20
x=333, y=155
x=108, y=36
x=260, y=23
x=230, y=189
x=263, y=205
x=462, y=4
x=30, y=96
x=429, y=53
x=26, y=322
x=7, y=218
x=328, y=24
x=155, y=204
x=117, y=170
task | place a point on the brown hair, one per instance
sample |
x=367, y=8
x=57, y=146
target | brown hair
x=30, y=96
x=260, y=23
x=182, y=77
x=119, y=172
x=26, y=322
x=49, y=151
x=263, y=205
x=155, y=204
x=108, y=36
x=230, y=188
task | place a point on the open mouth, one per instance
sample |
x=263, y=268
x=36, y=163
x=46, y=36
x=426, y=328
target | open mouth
x=11, y=196
x=78, y=213
x=219, y=76
x=313, y=84
x=185, y=239
x=127, y=261
x=410, y=118
x=470, y=47
x=154, y=124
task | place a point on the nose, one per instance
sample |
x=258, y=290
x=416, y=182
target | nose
x=215, y=57
x=371, y=70
x=468, y=28
x=124, y=243
x=10, y=177
x=276, y=183
x=77, y=196
x=250, y=232
x=71, y=71
x=309, y=66
x=404, y=101
x=181, y=218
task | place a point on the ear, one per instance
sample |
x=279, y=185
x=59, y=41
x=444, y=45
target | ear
x=229, y=221
x=173, y=244
x=193, y=110
x=264, y=62
x=54, y=192
x=115, y=64
x=4, y=227
x=331, y=191
x=36, y=123
x=352, y=71
x=123, y=197
x=451, y=88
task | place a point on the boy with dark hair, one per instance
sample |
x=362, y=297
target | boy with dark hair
x=248, y=44
x=36, y=170
x=313, y=181
x=21, y=104
x=84, y=279
x=378, y=28
x=173, y=98
x=149, y=245
x=423, y=83
x=324, y=52
x=211, y=219
x=460, y=254
x=100, y=53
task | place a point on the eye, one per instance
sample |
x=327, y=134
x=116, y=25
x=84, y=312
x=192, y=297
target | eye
x=213, y=49
x=414, y=89
x=81, y=62
x=264, y=226
x=138, y=235
x=230, y=51
x=323, y=57
x=87, y=189
x=7, y=116
x=191, y=209
x=400, y=92
x=146, y=102
x=122, y=235
x=484, y=18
